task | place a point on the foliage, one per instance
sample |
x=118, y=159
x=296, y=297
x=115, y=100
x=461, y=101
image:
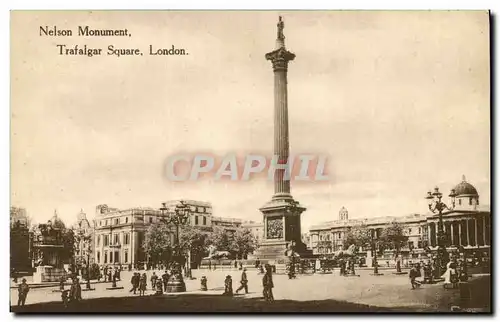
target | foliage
x=239, y=243
x=195, y=240
x=68, y=241
x=243, y=243
x=394, y=237
x=222, y=239
x=359, y=235
x=158, y=243
x=94, y=271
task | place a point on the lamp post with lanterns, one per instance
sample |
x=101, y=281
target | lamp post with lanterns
x=374, y=238
x=177, y=218
x=437, y=206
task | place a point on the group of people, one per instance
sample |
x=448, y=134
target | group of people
x=455, y=272
x=109, y=273
x=158, y=283
x=267, y=284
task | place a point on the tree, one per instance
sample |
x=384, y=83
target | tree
x=195, y=240
x=359, y=235
x=158, y=243
x=394, y=237
x=244, y=242
x=239, y=242
x=222, y=239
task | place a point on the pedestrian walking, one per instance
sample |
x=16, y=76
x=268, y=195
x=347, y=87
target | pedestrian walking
x=413, y=275
x=267, y=283
x=165, y=278
x=65, y=297
x=135, y=282
x=23, y=291
x=243, y=282
x=142, y=284
x=228, y=286
x=75, y=292
x=154, y=278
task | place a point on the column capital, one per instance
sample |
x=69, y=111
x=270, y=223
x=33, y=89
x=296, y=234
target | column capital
x=280, y=58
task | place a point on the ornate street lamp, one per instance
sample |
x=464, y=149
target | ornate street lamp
x=374, y=238
x=178, y=218
x=437, y=206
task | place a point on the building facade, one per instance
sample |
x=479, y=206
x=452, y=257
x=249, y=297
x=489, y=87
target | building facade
x=84, y=239
x=466, y=224
x=119, y=234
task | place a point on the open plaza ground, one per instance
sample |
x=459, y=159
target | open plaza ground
x=306, y=293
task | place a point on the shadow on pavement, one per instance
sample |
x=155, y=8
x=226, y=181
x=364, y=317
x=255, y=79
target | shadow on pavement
x=189, y=303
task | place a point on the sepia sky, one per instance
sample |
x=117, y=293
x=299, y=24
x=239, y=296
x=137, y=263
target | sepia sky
x=398, y=101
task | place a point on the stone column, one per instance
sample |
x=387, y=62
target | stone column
x=467, y=226
x=429, y=234
x=460, y=233
x=475, y=230
x=451, y=233
x=484, y=230
x=279, y=59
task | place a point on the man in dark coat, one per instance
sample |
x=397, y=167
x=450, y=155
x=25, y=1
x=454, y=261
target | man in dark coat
x=154, y=278
x=267, y=283
x=165, y=278
x=243, y=282
x=23, y=290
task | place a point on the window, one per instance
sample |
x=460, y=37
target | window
x=117, y=221
x=409, y=231
x=98, y=241
x=126, y=256
x=98, y=257
x=106, y=222
x=470, y=201
x=150, y=220
x=410, y=245
x=460, y=201
x=126, y=219
x=126, y=238
x=115, y=239
x=419, y=230
x=106, y=242
x=105, y=257
x=196, y=220
x=204, y=221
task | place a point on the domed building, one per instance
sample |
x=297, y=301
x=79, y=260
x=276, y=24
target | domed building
x=465, y=222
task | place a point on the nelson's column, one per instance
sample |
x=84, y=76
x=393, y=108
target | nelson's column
x=281, y=214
